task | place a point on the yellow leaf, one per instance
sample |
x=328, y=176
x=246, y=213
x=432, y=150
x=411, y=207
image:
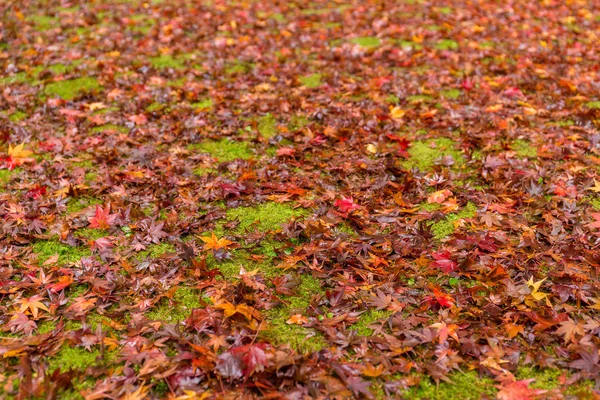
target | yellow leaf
x=297, y=319
x=596, y=187
x=397, y=112
x=18, y=152
x=215, y=243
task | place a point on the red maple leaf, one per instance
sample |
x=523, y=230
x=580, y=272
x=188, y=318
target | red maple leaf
x=346, y=204
x=596, y=223
x=444, y=262
x=102, y=218
x=518, y=390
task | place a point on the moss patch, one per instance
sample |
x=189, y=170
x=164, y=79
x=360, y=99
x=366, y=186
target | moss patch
x=445, y=227
x=299, y=338
x=108, y=128
x=72, y=358
x=423, y=154
x=367, y=41
x=451, y=93
x=17, y=116
x=267, y=126
x=205, y=104
x=48, y=248
x=184, y=300
x=464, y=385
x=156, y=250
x=70, y=89
x=524, y=149
x=165, y=61
x=75, y=205
x=311, y=81
x=446, y=44
x=268, y=216
x=369, y=318
x=224, y=150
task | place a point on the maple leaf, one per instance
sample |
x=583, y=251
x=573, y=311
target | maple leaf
x=359, y=387
x=346, y=205
x=20, y=322
x=535, y=293
x=212, y=242
x=439, y=197
x=253, y=356
x=443, y=261
x=445, y=331
x=17, y=156
x=230, y=366
x=518, y=390
x=596, y=187
x=139, y=394
x=596, y=223
x=439, y=298
x=570, y=329
x=102, y=218
x=32, y=304
x=297, y=319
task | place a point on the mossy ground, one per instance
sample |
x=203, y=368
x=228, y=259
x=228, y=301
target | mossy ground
x=311, y=81
x=264, y=217
x=424, y=154
x=48, y=248
x=300, y=338
x=445, y=227
x=223, y=150
x=72, y=88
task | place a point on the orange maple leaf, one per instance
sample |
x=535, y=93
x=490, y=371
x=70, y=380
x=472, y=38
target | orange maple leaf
x=215, y=243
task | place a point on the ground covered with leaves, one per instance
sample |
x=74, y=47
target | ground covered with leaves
x=303, y=199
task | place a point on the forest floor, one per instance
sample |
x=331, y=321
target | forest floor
x=371, y=199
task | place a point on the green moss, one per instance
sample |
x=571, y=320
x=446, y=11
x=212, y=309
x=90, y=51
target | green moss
x=5, y=176
x=46, y=326
x=524, y=149
x=184, y=300
x=451, y=93
x=446, y=44
x=445, y=228
x=297, y=122
x=165, y=61
x=91, y=234
x=367, y=41
x=423, y=154
x=72, y=88
x=48, y=248
x=238, y=68
x=43, y=22
x=464, y=385
x=267, y=126
x=311, y=81
x=75, y=205
x=268, y=216
x=549, y=379
x=202, y=171
x=593, y=104
x=156, y=250
x=301, y=339
x=109, y=127
x=419, y=98
x=17, y=116
x=70, y=357
x=156, y=107
x=205, y=104
x=224, y=150
x=369, y=318
x=431, y=207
